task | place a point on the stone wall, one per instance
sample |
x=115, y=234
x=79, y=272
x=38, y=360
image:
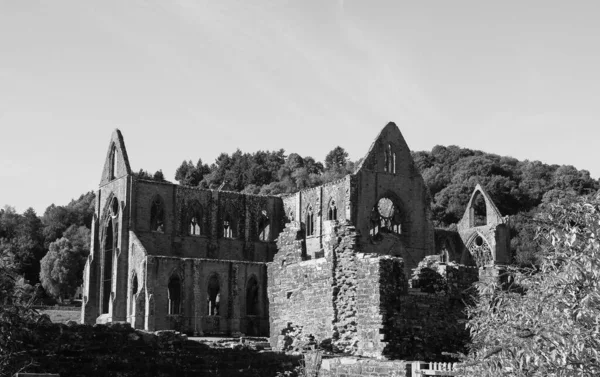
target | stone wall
x=357, y=303
x=300, y=293
x=118, y=350
x=381, y=284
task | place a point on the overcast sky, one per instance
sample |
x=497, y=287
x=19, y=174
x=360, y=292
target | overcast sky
x=189, y=79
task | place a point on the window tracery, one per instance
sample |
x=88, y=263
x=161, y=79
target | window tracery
x=385, y=218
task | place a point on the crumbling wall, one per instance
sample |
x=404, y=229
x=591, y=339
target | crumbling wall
x=300, y=292
x=381, y=283
x=343, y=243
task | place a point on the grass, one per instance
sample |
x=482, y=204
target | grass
x=62, y=316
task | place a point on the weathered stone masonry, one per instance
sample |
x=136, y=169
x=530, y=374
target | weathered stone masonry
x=173, y=257
x=329, y=263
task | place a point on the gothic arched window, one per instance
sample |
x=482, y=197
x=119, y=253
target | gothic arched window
x=157, y=216
x=214, y=296
x=389, y=160
x=263, y=226
x=229, y=227
x=174, y=295
x=113, y=163
x=310, y=221
x=332, y=212
x=195, y=220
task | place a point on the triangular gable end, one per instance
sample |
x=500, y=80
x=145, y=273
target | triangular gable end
x=493, y=215
x=388, y=153
x=116, y=164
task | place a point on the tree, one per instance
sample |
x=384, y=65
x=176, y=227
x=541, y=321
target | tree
x=336, y=160
x=62, y=267
x=546, y=322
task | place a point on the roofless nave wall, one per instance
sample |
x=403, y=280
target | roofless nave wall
x=166, y=256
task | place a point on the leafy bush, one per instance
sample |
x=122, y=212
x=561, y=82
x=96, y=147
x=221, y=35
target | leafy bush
x=547, y=321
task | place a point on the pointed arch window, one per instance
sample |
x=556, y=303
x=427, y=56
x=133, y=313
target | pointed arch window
x=113, y=162
x=174, y=292
x=157, y=216
x=213, y=295
x=109, y=245
x=332, y=212
x=134, y=291
x=310, y=221
x=478, y=210
x=252, y=297
x=263, y=226
x=389, y=160
x=195, y=220
x=229, y=227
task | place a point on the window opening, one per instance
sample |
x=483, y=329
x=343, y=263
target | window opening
x=310, y=222
x=385, y=218
x=229, y=228
x=108, y=266
x=157, y=216
x=264, y=226
x=195, y=219
x=389, y=160
x=174, y=295
x=113, y=163
x=252, y=297
x=478, y=210
x=114, y=207
x=332, y=213
x=214, y=297
x=134, y=291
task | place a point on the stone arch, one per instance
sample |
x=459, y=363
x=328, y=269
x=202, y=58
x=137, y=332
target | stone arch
x=253, y=296
x=157, y=214
x=480, y=250
x=213, y=297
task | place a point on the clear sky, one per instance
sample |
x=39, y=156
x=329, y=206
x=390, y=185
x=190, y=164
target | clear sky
x=188, y=79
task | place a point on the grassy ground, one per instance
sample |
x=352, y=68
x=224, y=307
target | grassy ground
x=62, y=316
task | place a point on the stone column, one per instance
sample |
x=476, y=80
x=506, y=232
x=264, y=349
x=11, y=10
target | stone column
x=149, y=321
x=199, y=305
x=91, y=290
x=234, y=300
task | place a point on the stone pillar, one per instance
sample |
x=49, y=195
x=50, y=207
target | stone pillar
x=199, y=304
x=149, y=321
x=234, y=300
x=91, y=298
x=120, y=271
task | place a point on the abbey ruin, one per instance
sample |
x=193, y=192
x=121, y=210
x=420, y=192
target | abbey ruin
x=331, y=262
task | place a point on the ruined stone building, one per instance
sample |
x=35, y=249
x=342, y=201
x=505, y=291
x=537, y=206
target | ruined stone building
x=331, y=261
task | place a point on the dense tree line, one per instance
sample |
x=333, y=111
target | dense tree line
x=51, y=249
x=265, y=172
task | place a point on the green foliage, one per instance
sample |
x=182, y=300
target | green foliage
x=157, y=176
x=546, y=322
x=62, y=267
x=336, y=159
